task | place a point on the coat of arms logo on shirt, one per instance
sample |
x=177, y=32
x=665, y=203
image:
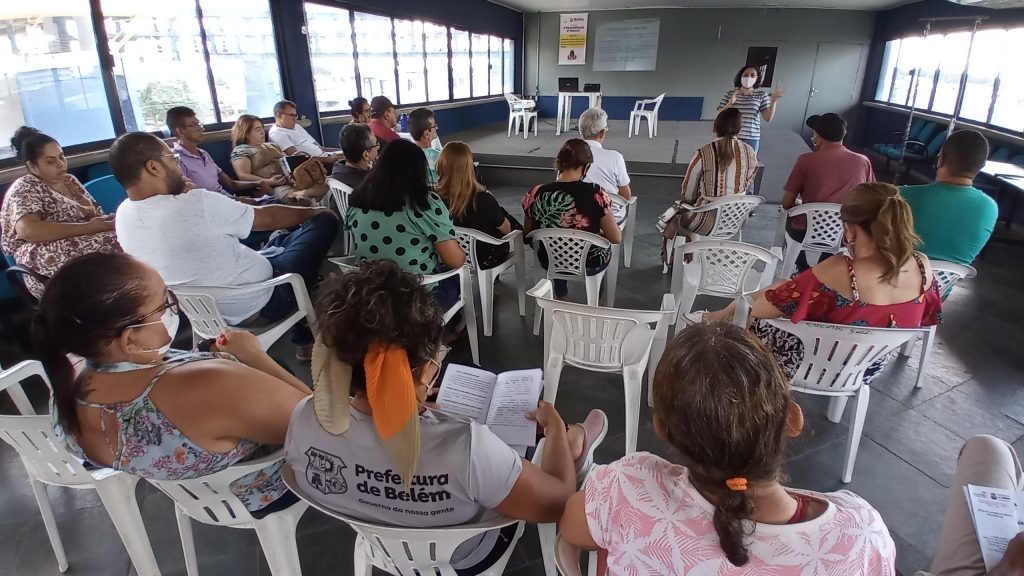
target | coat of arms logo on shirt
x=324, y=472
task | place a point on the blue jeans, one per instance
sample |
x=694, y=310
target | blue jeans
x=304, y=250
x=755, y=144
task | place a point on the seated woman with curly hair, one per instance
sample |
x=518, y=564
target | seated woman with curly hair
x=368, y=447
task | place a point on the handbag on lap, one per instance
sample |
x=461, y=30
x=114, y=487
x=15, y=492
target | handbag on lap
x=309, y=174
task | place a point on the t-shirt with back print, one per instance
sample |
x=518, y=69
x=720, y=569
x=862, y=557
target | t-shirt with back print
x=464, y=472
x=574, y=205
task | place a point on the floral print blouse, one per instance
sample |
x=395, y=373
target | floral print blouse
x=150, y=446
x=574, y=205
x=30, y=195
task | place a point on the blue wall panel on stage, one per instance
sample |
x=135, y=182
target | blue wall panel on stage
x=674, y=108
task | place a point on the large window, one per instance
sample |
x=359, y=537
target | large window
x=994, y=93
x=159, y=59
x=50, y=75
x=410, y=61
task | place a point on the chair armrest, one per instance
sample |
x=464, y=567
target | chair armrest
x=668, y=302
x=506, y=239
x=219, y=291
x=432, y=278
x=543, y=289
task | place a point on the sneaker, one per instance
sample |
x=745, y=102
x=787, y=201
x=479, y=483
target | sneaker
x=304, y=352
x=595, y=428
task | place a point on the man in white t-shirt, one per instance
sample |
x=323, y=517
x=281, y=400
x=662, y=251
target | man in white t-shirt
x=293, y=138
x=609, y=167
x=193, y=237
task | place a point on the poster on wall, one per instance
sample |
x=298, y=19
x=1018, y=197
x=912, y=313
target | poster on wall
x=763, y=58
x=572, y=39
x=627, y=45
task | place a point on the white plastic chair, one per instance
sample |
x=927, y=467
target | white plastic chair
x=209, y=500
x=611, y=340
x=567, y=559
x=465, y=302
x=47, y=461
x=199, y=303
x=640, y=112
x=339, y=192
x=409, y=551
x=467, y=238
x=824, y=234
x=721, y=268
x=520, y=112
x=835, y=358
x=948, y=274
x=731, y=213
x=567, y=252
x=625, y=215
x=546, y=531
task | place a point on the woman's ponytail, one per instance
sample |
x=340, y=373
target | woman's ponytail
x=731, y=521
x=878, y=208
x=50, y=351
x=728, y=124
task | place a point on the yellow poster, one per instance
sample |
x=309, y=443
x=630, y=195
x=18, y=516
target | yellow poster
x=572, y=39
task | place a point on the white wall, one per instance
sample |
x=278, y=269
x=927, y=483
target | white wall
x=694, y=61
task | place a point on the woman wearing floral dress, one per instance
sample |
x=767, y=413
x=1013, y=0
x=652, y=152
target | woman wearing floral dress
x=571, y=203
x=47, y=217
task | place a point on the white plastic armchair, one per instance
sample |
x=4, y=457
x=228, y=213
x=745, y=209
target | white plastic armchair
x=409, y=551
x=199, y=303
x=947, y=274
x=464, y=303
x=520, y=112
x=824, y=234
x=546, y=531
x=339, y=193
x=625, y=216
x=209, y=499
x=640, y=112
x=835, y=358
x=485, y=277
x=47, y=461
x=720, y=268
x=567, y=252
x=567, y=559
x=610, y=340
x=731, y=213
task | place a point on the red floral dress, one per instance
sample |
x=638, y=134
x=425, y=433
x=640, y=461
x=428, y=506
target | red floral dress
x=30, y=195
x=804, y=297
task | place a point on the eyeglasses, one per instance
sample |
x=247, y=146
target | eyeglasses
x=292, y=114
x=170, y=304
x=434, y=127
x=196, y=125
x=437, y=360
x=174, y=155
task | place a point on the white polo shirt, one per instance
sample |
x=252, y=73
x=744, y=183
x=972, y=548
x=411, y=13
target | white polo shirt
x=608, y=170
x=297, y=137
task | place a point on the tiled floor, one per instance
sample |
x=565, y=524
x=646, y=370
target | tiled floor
x=904, y=468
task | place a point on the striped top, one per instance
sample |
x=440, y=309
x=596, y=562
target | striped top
x=750, y=105
x=706, y=180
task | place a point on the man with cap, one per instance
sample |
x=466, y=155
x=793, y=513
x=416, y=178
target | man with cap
x=383, y=119
x=825, y=174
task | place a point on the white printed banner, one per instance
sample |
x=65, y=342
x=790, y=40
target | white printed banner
x=572, y=39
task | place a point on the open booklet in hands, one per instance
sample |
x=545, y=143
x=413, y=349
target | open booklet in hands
x=500, y=401
x=998, y=516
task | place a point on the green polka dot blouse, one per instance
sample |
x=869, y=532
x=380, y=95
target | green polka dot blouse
x=406, y=237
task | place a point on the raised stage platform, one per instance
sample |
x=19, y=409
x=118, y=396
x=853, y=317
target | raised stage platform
x=665, y=155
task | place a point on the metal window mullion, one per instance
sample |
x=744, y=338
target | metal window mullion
x=451, y=67
x=106, y=60
x=470, y=36
x=995, y=97
x=209, y=68
x=426, y=70
x=355, y=52
x=394, y=54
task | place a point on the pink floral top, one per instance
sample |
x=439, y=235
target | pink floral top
x=651, y=520
x=30, y=195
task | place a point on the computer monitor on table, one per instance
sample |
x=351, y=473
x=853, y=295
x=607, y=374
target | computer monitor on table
x=568, y=84
x=591, y=87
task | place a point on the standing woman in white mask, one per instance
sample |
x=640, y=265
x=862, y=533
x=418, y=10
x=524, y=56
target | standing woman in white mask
x=141, y=408
x=754, y=104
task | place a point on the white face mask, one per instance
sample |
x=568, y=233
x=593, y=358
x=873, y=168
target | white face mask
x=170, y=321
x=748, y=81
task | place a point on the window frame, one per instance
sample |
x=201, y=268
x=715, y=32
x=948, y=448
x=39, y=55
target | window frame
x=925, y=84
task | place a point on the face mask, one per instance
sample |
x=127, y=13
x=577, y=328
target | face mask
x=748, y=81
x=170, y=321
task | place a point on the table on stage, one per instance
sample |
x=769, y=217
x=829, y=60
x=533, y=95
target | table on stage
x=1011, y=179
x=565, y=108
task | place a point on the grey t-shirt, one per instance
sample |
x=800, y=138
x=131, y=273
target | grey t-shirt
x=463, y=473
